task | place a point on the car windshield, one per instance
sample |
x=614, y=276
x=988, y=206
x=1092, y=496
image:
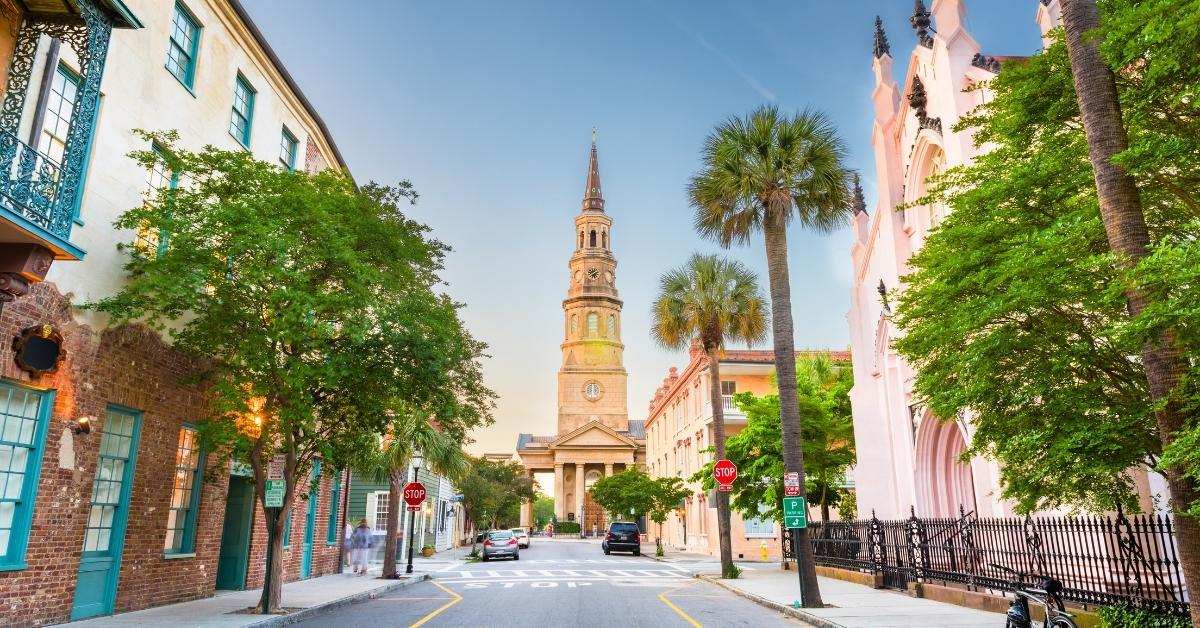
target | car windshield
x=502, y=534
x=518, y=531
x=624, y=527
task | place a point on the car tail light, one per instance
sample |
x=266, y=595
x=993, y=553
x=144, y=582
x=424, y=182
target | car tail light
x=488, y=542
x=512, y=541
x=608, y=536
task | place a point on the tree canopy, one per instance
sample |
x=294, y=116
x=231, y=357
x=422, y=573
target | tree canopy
x=493, y=492
x=632, y=494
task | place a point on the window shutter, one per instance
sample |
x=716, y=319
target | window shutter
x=372, y=503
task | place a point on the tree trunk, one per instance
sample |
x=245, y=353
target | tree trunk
x=395, y=488
x=713, y=349
x=1128, y=237
x=775, y=233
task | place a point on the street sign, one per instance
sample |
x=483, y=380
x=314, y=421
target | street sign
x=413, y=508
x=725, y=488
x=275, y=467
x=794, y=514
x=274, y=493
x=791, y=484
x=725, y=472
x=414, y=493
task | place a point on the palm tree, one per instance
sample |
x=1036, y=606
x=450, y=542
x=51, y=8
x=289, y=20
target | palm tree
x=711, y=300
x=409, y=434
x=760, y=173
x=1128, y=237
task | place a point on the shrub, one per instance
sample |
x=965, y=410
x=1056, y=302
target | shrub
x=1125, y=616
x=567, y=527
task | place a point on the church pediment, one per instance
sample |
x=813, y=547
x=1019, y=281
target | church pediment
x=593, y=435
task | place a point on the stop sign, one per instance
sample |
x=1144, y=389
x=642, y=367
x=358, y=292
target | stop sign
x=725, y=472
x=414, y=493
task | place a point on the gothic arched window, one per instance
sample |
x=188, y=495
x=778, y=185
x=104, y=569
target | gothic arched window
x=592, y=239
x=604, y=239
x=593, y=324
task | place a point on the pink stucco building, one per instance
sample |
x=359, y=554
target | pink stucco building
x=908, y=458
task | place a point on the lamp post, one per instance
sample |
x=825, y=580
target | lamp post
x=417, y=459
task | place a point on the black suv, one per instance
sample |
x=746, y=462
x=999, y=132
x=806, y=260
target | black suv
x=622, y=536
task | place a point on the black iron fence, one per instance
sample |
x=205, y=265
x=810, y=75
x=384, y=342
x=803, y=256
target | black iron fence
x=1100, y=560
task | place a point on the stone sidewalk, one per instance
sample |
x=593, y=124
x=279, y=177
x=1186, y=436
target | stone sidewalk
x=311, y=597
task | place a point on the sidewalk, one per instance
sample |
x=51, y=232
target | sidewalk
x=311, y=597
x=853, y=605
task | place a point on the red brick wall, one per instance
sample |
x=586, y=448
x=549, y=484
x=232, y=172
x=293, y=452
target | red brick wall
x=325, y=557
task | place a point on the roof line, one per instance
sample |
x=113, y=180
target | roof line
x=287, y=78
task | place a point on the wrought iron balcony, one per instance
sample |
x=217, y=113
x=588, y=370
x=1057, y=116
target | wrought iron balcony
x=29, y=186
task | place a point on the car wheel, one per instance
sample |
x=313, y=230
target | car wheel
x=637, y=552
x=606, y=552
x=516, y=557
x=483, y=558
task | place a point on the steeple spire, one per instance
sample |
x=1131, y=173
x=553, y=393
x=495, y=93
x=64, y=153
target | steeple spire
x=881, y=40
x=860, y=204
x=593, y=198
x=922, y=23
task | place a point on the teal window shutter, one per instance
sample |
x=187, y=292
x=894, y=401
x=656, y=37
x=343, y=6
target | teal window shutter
x=24, y=420
x=287, y=529
x=243, y=111
x=185, y=493
x=335, y=492
x=185, y=43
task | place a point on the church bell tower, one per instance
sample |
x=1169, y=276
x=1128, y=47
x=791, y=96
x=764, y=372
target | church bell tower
x=592, y=379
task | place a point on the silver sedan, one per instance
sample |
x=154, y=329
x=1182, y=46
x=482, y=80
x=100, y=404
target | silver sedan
x=500, y=543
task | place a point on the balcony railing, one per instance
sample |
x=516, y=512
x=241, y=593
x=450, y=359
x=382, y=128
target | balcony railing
x=729, y=406
x=29, y=186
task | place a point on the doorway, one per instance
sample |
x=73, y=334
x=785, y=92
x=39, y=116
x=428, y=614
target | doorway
x=235, y=534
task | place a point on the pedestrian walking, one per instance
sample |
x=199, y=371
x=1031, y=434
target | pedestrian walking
x=361, y=541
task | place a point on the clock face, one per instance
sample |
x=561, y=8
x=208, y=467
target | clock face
x=591, y=390
x=593, y=273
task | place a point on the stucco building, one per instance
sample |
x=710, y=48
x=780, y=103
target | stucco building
x=679, y=428
x=906, y=456
x=595, y=437
x=119, y=516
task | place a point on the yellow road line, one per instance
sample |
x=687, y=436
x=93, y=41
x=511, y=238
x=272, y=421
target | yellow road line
x=405, y=599
x=663, y=597
x=456, y=600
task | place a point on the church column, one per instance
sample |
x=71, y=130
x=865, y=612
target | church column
x=608, y=469
x=579, y=491
x=560, y=492
x=527, y=507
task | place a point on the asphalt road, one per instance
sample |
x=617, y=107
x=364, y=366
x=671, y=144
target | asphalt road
x=558, y=583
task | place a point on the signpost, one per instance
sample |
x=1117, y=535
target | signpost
x=414, y=496
x=274, y=493
x=724, y=472
x=795, y=517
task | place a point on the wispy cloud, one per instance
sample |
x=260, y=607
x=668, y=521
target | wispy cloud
x=700, y=40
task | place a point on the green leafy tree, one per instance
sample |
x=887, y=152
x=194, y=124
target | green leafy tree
x=543, y=511
x=633, y=494
x=823, y=386
x=759, y=174
x=711, y=301
x=307, y=305
x=669, y=492
x=1017, y=315
x=493, y=492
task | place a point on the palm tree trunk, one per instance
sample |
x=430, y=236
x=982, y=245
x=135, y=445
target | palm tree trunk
x=1128, y=237
x=775, y=232
x=395, y=487
x=712, y=348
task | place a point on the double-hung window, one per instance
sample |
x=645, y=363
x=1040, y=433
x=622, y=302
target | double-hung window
x=24, y=419
x=60, y=109
x=243, y=111
x=759, y=527
x=161, y=180
x=288, y=144
x=185, y=42
x=185, y=494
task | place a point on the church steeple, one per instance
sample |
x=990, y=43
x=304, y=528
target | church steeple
x=593, y=198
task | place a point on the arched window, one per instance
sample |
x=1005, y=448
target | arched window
x=612, y=326
x=581, y=239
x=604, y=239
x=592, y=239
x=574, y=324
x=593, y=324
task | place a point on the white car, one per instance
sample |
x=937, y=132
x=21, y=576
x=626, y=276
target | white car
x=522, y=535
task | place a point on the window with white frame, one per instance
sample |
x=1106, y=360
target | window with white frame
x=759, y=527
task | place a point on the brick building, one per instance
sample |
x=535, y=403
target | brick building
x=107, y=503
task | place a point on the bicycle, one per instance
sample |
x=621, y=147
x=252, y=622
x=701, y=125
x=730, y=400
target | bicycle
x=1049, y=596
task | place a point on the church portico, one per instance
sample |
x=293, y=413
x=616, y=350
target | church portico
x=595, y=438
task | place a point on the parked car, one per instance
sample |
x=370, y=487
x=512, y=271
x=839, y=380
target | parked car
x=522, y=535
x=622, y=536
x=500, y=543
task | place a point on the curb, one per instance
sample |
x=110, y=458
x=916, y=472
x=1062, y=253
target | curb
x=800, y=614
x=320, y=609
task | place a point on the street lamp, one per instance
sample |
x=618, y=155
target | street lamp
x=417, y=460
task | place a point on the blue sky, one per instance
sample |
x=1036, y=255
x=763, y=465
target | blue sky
x=487, y=107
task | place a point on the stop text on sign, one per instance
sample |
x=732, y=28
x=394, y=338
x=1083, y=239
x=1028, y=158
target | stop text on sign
x=414, y=493
x=725, y=472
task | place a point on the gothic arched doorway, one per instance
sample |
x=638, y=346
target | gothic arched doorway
x=944, y=482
